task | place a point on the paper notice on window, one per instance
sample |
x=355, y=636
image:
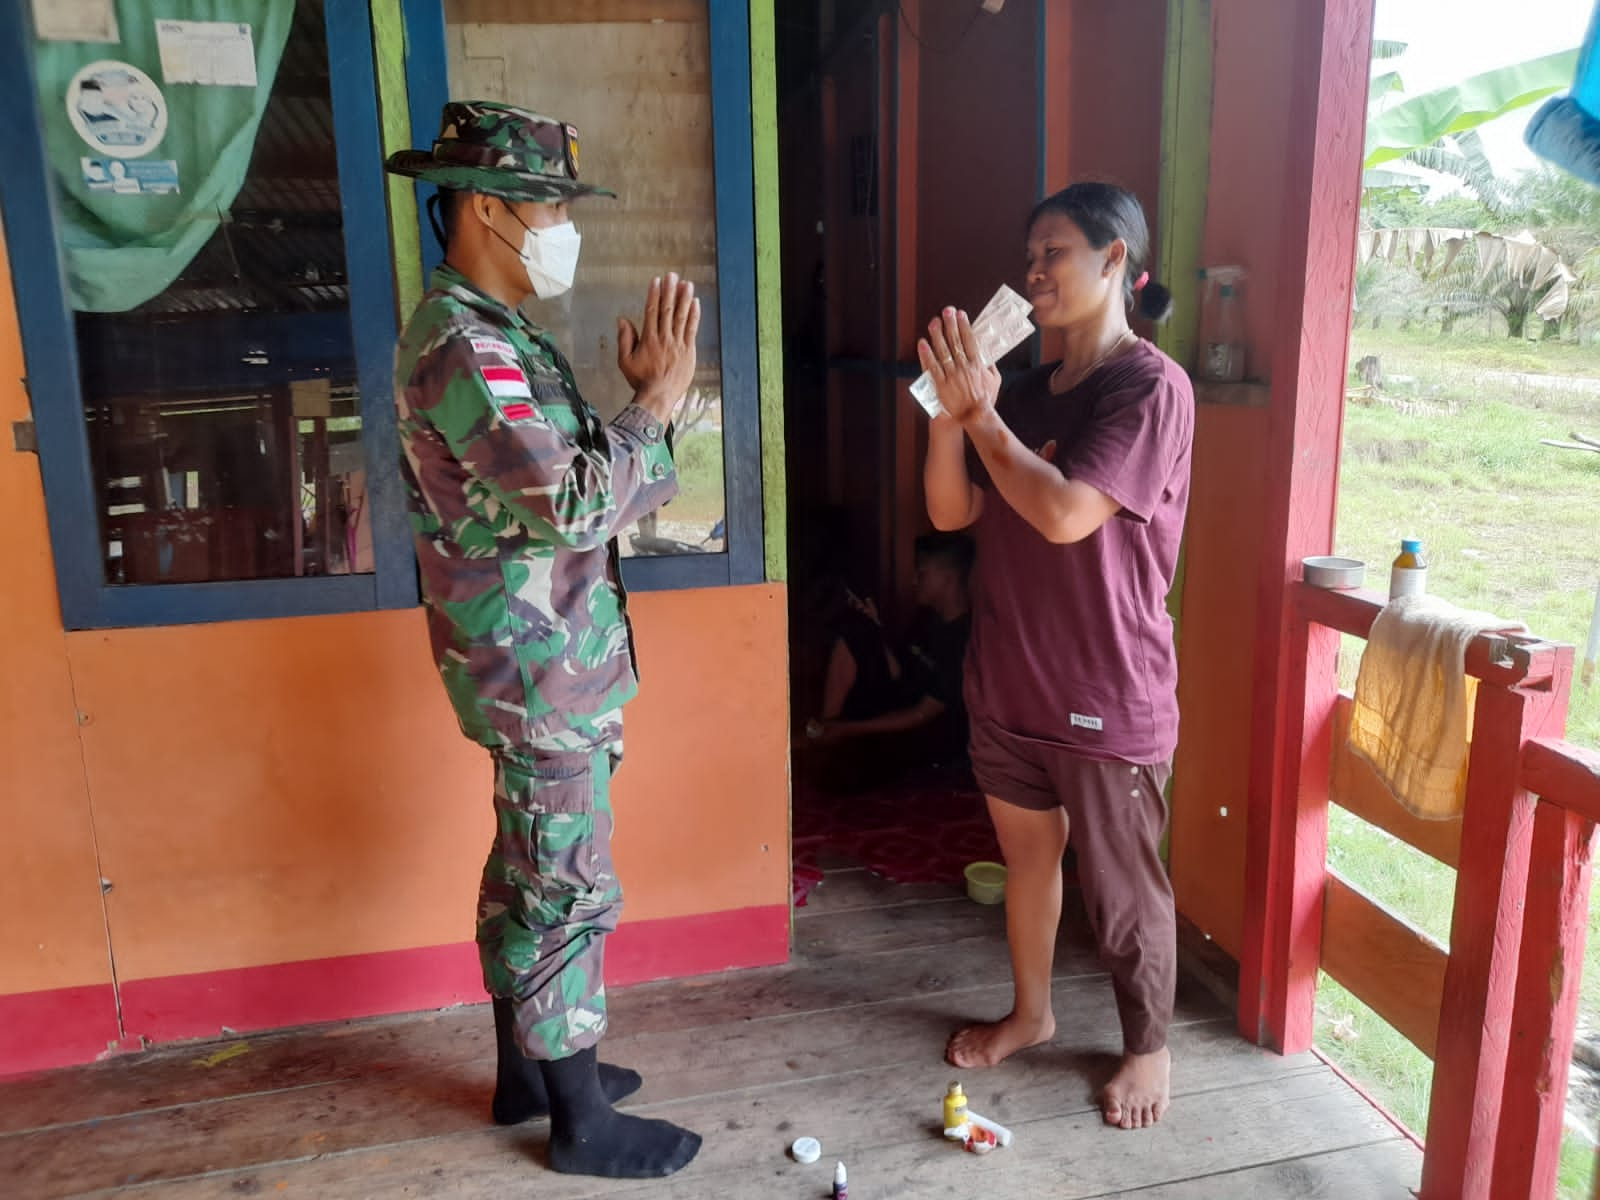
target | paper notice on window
x=211, y=53
x=75, y=21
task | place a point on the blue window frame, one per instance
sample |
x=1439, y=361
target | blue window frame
x=428, y=85
x=54, y=377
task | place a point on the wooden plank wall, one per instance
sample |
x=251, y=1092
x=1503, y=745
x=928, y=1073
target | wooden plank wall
x=638, y=89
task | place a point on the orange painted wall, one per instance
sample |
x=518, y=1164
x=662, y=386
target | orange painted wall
x=274, y=791
x=52, y=933
x=1211, y=773
x=1103, y=69
x=1104, y=76
x=281, y=790
x=972, y=202
x=1227, y=509
x=1252, y=88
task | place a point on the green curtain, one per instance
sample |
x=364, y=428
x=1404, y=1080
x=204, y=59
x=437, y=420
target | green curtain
x=125, y=235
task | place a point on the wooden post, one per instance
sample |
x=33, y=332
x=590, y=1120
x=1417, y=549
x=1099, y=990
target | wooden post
x=1055, y=123
x=322, y=487
x=1491, y=883
x=1055, y=96
x=1548, y=974
x=1283, y=878
x=833, y=273
x=908, y=423
x=1185, y=171
x=287, y=427
x=769, y=285
x=1300, y=848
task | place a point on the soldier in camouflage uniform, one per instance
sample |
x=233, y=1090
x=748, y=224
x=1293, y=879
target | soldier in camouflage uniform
x=517, y=491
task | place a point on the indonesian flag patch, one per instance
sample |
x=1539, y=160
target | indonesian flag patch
x=512, y=395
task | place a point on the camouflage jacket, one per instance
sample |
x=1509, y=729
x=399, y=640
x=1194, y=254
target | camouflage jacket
x=517, y=492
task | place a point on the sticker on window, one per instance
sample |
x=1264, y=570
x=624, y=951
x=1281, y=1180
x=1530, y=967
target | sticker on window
x=151, y=177
x=117, y=109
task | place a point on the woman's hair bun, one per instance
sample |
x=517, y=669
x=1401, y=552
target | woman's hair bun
x=1155, y=302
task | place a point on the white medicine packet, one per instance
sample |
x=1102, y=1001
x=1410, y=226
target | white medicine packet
x=1001, y=327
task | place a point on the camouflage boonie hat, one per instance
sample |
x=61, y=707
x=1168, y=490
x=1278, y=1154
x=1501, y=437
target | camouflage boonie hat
x=500, y=151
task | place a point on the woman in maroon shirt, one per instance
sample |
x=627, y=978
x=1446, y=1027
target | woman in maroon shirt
x=1074, y=478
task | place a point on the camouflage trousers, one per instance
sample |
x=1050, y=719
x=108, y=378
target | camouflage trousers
x=549, y=894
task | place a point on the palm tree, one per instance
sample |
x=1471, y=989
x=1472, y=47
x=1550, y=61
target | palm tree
x=1473, y=273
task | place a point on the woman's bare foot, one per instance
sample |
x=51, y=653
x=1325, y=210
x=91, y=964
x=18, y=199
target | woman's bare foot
x=1139, y=1093
x=985, y=1045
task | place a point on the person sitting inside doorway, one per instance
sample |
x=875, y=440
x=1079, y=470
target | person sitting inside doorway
x=888, y=708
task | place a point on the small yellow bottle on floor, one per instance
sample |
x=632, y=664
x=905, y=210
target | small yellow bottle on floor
x=1409, y=575
x=955, y=1111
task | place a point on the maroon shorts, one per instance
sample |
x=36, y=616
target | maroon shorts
x=1041, y=775
x=1115, y=814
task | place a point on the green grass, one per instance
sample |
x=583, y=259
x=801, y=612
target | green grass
x=1409, y=882
x=1576, y=1180
x=1510, y=526
x=1478, y=351
x=1367, y=1048
x=701, y=495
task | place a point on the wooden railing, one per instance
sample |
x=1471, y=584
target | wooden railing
x=1497, y=1011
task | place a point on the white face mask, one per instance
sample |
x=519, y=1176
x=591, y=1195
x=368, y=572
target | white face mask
x=550, y=256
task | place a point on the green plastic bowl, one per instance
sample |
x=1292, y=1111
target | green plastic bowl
x=986, y=882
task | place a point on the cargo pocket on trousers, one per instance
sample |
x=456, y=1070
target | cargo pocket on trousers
x=560, y=807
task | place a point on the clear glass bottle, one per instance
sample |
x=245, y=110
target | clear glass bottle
x=1409, y=575
x=1222, y=349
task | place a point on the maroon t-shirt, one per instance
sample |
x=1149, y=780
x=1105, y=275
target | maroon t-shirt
x=1072, y=645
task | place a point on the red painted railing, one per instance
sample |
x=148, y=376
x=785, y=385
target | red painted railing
x=1509, y=1001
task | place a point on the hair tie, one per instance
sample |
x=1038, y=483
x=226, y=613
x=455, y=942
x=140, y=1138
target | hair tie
x=1144, y=278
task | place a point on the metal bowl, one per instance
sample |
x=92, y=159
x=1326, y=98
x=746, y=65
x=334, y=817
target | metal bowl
x=1328, y=571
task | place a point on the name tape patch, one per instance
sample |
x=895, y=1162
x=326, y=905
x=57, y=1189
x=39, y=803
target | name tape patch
x=495, y=346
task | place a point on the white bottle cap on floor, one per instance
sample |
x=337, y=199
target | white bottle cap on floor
x=806, y=1150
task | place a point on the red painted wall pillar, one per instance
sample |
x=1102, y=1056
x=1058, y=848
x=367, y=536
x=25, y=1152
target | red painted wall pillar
x=1316, y=262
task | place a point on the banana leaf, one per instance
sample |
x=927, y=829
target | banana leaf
x=1459, y=108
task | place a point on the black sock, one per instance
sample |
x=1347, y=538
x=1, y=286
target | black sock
x=588, y=1137
x=519, y=1092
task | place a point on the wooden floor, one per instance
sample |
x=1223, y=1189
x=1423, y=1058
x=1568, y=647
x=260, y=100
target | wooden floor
x=843, y=1044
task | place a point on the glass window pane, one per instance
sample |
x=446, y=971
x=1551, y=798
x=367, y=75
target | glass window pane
x=222, y=410
x=639, y=94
